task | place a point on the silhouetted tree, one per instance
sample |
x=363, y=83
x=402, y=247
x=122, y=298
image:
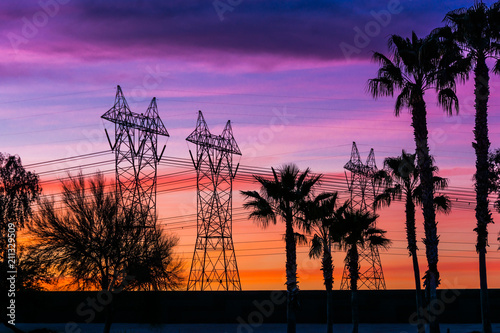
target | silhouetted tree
x=354, y=230
x=400, y=177
x=154, y=265
x=494, y=175
x=31, y=273
x=477, y=30
x=416, y=65
x=18, y=190
x=319, y=217
x=283, y=197
x=94, y=245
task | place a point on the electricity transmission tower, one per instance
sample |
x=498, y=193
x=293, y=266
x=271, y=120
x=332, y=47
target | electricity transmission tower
x=214, y=261
x=363, y=189
x=135, y=146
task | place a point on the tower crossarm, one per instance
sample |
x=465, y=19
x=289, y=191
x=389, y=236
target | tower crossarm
x=225, y=142
x=213, y=141
x=138, y=121
x=120, y=114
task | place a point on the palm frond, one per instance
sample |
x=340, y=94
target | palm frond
x=496, y=67
x=316, y=248
x=384, y=199
x=404, y=99
x=251, y=194
x=306, y=185
x=380, y=86
x=448, y=100
x=325, y=196
x=262, y=211
x=397, y=45
x=382, y=177
x=440, y=183
x=442, y=204
x=300, y=239
x=379, y=241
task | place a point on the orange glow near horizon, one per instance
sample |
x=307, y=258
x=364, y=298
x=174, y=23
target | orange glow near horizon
x=261, y=256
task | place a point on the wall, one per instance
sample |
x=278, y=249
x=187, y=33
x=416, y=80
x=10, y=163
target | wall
x=391, y=306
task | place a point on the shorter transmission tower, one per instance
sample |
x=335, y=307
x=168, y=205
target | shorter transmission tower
x=136, y=154
x=363, y=189
x=214, y=261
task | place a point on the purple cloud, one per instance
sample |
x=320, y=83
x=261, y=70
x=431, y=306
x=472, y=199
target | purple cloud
x=320, y=30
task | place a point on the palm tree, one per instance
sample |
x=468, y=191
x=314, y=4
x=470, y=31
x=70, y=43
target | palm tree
x=417, y=65
x=283, y=197
x=477, y=31
x=319, y=216
x=351, y=230
x=401, y=177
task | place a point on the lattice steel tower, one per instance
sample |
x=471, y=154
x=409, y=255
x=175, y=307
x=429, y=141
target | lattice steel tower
x=135, y=146
x=363, y=189
x=214, y=261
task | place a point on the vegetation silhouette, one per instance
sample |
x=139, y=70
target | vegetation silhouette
x=494, y=177
x=319, y=216
x=477, y=31
x=401, y=181
x=354, y=229
x=416, y=65
x=283, y=197
x=98, y=248
x=31, y=274
x=19, y=189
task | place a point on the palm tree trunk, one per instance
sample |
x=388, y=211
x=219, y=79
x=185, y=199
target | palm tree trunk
x=328, y=280
x=411, y=236
x=291, y=276
x=419, y=123
x=481, y=146
x=418, y=290
x=354, y=271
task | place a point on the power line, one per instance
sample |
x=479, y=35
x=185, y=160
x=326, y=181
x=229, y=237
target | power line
x=461, y=196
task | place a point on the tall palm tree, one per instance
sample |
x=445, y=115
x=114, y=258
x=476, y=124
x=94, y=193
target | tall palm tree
x=477, y=30
x=415, y=66
x=283, y=197
x=319, y=217
x=354, y=229
x=401, y=178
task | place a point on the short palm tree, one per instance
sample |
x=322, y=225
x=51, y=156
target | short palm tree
x=477, y=30
x=354, y=230
x=416, y=65
x=282, y=197
x=401, y=178
x=319, y=217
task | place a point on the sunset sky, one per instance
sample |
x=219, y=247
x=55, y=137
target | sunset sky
x=291, y=76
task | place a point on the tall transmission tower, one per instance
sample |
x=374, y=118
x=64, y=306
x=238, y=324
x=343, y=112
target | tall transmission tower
x=214, y=261
x=363, y=190
x=136, y=154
